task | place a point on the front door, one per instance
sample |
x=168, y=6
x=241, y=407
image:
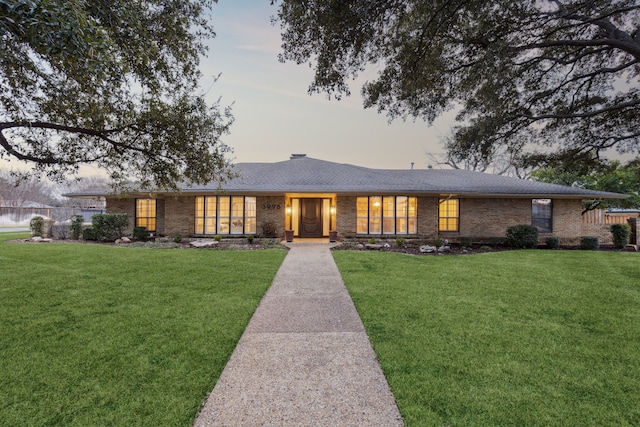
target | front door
x=310, y=217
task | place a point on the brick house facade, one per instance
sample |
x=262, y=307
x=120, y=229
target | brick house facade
x=312, y=197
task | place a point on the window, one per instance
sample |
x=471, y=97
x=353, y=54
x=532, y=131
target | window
x=542, y=214
x=146, y=214
x=225, y=215
x=386, y=215
x=449, y=215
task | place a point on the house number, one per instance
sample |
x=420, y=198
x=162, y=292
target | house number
x=270, y=206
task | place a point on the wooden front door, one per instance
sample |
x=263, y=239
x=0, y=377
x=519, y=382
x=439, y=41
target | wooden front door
x=310, y=217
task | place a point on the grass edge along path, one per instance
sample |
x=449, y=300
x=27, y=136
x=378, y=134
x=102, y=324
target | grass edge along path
x=103, y=335
x=520, y=338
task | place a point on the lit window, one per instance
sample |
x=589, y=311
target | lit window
x=362, y=215
x=146, y=214
x=542, y=214
x=386, y=215
x=448, y=215
x=225, y=215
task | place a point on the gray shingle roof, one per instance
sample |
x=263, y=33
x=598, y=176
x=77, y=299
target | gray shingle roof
x=303, y=174
x=308, y=175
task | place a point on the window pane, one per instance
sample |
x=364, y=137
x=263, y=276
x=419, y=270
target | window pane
x=542, y=214
x=375, y=213
x=146, y=214
x=250, y=207
x=362, y=206
x=362, y=215
x=448, y=215
x=413, y=206
x=401, y=225
x=210, y=226
x=413, y=226
x=199, y=226
x=250, y=226
x=250, y=215
x=237, y=204
x=224, y=209
x=388, y=210
x=199, y=206
x=363, y=225
x=211, y=207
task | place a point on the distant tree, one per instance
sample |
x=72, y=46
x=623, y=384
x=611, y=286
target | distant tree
x=18, y=193
x=528, y=77
x=607, y=176
x=112, y=83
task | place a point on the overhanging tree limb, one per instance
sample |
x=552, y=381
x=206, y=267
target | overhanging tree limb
x=523, y=74
x=114, y=82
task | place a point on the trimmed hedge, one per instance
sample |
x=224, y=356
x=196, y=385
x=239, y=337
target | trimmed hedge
x=621, y=234
x=589, y=243
x=522, y=236
x=109, y=227
x=552, y=242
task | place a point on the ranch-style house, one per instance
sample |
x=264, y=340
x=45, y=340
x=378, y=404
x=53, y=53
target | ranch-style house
x=314, y=198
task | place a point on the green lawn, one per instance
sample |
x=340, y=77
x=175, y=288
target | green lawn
x=102, y=335
x=521, y=338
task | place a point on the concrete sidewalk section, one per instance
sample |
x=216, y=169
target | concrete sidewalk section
x=304, y=359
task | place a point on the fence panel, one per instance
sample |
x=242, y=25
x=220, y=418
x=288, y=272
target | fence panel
x=600, y=216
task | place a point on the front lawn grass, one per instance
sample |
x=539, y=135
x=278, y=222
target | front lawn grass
x=520, y=338
x=101, y=335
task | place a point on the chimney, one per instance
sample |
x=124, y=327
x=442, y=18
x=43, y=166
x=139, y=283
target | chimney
x=297, y=156
x=412, y=165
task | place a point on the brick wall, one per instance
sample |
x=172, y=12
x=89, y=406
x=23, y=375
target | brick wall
x=179, y=216
x=479, y=218
x=346, y=216
x=267, y=210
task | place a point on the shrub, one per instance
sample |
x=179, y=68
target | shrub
x=552, y=242
x=60, y=231
x=88, y=234
x=372, y=240
x=250, y=238
x=437, y=242
x=75, y=226
x=177, y=238
x=522, y=236
x=495, y=241
x=37, y=226
x=269, y=230
x=399, y=242
x=109, y=227
x=140, y=233
x=217, y=238
x=589, y=243
x=621, y=234
x=466, y=242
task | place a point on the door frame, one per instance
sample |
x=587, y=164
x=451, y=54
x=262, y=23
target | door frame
x=294, y=212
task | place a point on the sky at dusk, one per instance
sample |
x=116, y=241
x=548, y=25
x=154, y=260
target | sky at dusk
x=274, y=114
x=276, y=117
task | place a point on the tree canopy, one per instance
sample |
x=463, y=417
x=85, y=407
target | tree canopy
x=552, y=78
x=112, y=83
x=609, y=176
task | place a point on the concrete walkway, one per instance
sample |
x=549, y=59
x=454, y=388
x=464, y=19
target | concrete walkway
x=304, y=359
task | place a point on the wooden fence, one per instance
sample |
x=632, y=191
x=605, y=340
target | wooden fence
x=600, y=216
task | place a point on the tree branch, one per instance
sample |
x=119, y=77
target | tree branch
x=582, y=115
x=101, y=134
